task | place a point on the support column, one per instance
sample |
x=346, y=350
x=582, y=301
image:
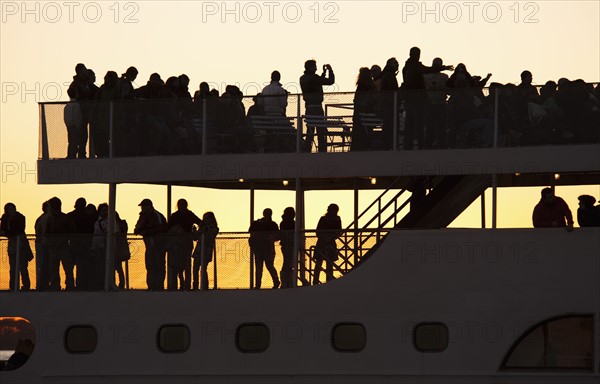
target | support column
x=494, y=200
x=356, y=234
x=251, y=221
x=483, y=209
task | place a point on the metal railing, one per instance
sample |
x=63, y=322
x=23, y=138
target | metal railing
x=79, y=262
x=376, y=121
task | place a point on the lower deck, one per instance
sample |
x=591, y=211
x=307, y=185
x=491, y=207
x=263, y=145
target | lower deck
x=434, y=306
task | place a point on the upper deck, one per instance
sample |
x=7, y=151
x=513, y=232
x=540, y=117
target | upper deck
x=223, y=143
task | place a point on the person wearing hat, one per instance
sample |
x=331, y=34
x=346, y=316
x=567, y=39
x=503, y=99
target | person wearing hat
x=552, y=211
x=588, y=214
x=150, y=225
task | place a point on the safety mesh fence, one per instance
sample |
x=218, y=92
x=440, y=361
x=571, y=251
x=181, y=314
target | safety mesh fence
x=232, y=265
x=466, y=117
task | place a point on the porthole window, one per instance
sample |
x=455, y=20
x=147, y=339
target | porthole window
x=252, y=338
x=430, y=337
x=174, y=338
x=17, y=342
x=80, y=339
x=349, y=337
x=557, y=344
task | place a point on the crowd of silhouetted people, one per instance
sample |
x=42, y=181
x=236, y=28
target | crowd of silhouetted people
x=553, y=212
x=437, y=110
x=78, y=241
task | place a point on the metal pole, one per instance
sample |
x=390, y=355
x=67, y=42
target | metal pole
x=299, y=126
x=204, y=127
x=395, y=143
x=45, y=150
x=251, y=221
x=111, y=132
x=109, y=271
x=169, y=200
x=483, y=209
x=494, y=199
x=295, y=263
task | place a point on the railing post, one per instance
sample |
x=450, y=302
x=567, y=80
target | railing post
x=45, y=150
x=299, y=126
x=202, y=264
x=111, y=129
x=17, y=275
x=204, y=127
x=214, y=251
x=496, y=104
x=378, y=219
x=395, y=143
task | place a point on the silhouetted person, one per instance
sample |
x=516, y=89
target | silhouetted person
x=365, y=101
x=183, y=91
x=122, y=252
x=125, y=89
x=389, y=86
x=96, y=264
x=12, y=225
x=125, y=126
x=274, y=97
x=436, y=108
x=73, y=120
x=154, y=135
x=231, y=121
x=152, y=225
x=182, y=244
x=376, y=73
x=256, y=109
x=81, y=91
x=464, y=104
x=205, y=248
x=552, y=211
x=263, y=234
x=81, y=245
x=59, y=230
x=588, y=214
x=23, y=351
x=312, y=93
x=328, y=230
x=42, y=282
x=100, y=125
x=526, y=90
x=287, y=229
x=415, y=97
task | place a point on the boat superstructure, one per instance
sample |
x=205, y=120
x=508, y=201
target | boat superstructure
x=413, y=301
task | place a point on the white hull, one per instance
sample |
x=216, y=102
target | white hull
x=487, y=286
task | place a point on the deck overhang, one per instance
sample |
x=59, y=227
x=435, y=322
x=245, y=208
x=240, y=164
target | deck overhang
x=520, y=166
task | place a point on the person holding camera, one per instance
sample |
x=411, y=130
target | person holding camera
x=312, y=92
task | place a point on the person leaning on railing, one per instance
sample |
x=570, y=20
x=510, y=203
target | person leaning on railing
x=552, y=211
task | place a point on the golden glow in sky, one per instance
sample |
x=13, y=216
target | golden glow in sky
x=238, y=42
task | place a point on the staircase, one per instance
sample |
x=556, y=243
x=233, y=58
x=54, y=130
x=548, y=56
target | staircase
x=448, y=197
